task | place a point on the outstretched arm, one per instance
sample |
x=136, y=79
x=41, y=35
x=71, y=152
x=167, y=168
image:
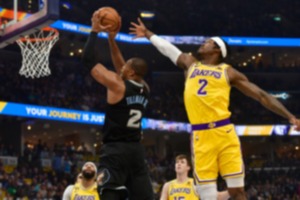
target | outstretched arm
x=180, y=59
x=241, y=82
x=115, y=53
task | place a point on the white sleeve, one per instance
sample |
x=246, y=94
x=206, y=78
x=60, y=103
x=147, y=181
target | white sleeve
x=166, y=48
x=68, y=192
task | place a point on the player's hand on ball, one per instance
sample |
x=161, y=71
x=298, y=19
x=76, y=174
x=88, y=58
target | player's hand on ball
x=96, y=25
x=139, y=30
x=112, y=34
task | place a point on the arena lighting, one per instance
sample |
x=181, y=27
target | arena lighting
x=147, y=14
x=282, y=95
x=66, y=5
x=277, y=18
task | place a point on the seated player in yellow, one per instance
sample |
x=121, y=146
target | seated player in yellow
x=182, y=188
x=86, y=187
x=215, y=144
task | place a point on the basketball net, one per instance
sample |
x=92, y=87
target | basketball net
x=35, y=49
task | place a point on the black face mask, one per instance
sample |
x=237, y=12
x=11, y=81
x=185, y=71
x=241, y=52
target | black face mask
x=88, y=175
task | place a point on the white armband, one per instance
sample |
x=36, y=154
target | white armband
x=166, y=48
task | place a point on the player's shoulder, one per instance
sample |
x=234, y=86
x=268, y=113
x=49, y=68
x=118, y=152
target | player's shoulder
x=225, y=65
x=167, y=184
x=68, y=191
x=70, y=187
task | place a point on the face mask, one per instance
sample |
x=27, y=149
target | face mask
x=88, y=175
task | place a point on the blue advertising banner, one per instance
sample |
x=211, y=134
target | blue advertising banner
x=76, y=116
x=50, y=113
x=195, y=40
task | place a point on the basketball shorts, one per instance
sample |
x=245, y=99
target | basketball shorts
x=125, y=168
x=216, y=151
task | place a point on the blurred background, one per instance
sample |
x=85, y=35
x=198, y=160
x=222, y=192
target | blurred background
x=39, y=158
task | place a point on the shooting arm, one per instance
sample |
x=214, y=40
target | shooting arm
x=109, y=79
x=89, y=52
x=116, y=55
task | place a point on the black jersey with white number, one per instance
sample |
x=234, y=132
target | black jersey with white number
x=123, y=120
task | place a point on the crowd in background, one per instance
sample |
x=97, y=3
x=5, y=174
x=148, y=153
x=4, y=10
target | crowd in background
x=30, y=180
x=250, y=18
x=71, y=86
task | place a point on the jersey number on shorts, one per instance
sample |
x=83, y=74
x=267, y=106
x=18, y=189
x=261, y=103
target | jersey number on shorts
x=135, y=118
x=203, y=84
x=178, y=198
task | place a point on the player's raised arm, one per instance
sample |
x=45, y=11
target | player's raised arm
x=89, y=52
x=112, y=81
x=115, y=53
x=241, y=82
x=180, y=59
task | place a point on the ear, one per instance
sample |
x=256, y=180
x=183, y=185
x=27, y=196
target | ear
x=217, y=49
x=189, y=167
x=131, y=72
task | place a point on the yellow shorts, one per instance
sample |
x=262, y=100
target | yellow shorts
x=215, y=151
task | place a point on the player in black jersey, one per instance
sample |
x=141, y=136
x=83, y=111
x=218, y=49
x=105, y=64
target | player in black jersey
x=122, y=158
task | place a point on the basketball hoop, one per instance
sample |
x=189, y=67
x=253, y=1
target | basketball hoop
x=35, y=49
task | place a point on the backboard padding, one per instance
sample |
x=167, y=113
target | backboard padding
x=31, y=24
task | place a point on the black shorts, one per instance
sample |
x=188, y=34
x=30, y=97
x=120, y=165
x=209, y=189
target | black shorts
x=125, y=167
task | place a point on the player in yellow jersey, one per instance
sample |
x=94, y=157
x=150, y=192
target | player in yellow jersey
x=86, y=186
x=215, y=145
x=182, y=188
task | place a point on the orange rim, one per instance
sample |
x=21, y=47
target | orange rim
x=46, y=29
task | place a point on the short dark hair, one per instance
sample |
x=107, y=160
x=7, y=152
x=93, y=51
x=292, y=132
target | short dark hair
x=183, y=156
x=140, y=66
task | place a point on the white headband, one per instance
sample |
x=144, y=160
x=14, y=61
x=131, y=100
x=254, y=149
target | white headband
x=221, y=44
x=91, y=163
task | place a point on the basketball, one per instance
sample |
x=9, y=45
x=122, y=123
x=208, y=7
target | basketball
x=110, y=17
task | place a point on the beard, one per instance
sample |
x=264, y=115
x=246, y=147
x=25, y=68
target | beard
x=88, y=175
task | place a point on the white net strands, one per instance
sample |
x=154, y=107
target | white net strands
x=35, y=49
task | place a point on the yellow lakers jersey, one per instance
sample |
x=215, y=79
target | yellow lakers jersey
x=206, y=93
x=79, y=192
x=182, y=191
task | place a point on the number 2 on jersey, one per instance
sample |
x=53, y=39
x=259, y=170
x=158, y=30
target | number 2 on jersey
x=135, y=117
x=203, y=83
x=178, y=198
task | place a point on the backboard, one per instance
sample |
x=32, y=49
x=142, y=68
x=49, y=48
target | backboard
x=25, y=17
